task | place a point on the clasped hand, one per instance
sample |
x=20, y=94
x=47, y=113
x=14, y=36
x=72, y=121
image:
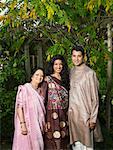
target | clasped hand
x=24, y=129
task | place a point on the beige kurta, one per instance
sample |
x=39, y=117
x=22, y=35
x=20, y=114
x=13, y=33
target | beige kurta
x=83, y=103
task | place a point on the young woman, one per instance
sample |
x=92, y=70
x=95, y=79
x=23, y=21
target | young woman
x=56, y=135
x=30, y=114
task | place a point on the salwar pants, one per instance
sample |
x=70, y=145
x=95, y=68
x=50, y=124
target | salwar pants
x=79, y=146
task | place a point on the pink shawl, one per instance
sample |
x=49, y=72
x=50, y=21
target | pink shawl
x=34, y=113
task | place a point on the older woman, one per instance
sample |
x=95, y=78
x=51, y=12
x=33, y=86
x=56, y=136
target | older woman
x=29, y=114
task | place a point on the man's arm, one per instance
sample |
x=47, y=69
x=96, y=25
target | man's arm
x=94, y=100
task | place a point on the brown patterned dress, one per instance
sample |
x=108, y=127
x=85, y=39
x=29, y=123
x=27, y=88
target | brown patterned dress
x=56, y=136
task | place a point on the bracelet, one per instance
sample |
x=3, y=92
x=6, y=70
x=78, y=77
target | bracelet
x=22, y=122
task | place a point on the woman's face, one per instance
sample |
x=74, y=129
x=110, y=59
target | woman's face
x=38, y=76
x=57, y=66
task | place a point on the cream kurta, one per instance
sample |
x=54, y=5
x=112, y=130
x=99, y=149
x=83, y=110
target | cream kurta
x=83, y=103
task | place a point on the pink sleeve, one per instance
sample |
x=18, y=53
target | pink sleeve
x=19, y=100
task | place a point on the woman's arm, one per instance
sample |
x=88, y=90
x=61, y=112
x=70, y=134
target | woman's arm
x=43, y=89
x=21, y=117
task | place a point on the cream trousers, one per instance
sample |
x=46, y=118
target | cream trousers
x=79, y=146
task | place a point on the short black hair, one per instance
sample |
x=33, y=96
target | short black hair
x=78, y=48
x=33, y=70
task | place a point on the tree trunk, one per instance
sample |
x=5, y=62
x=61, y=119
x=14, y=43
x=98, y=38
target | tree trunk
x=109, y=78
x=27, y=62
x=39, y=55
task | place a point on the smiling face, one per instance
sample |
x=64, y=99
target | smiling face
x=57, y=66
x=77, y=58
x=38, y=76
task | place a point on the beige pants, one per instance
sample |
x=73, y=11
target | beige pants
x=79, y=146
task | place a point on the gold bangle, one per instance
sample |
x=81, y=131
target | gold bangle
x=22, y=122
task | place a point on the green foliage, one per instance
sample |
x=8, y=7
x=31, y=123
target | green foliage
x=62, y=24
x=12, y=75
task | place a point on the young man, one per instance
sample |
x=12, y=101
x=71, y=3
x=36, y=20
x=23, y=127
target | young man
x=83, y=102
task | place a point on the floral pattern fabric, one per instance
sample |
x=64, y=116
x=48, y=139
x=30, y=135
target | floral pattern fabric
x=56, y=136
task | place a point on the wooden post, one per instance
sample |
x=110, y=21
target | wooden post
x=39, y=56
x=33, y=60
x=109, y=78
x=27, y=62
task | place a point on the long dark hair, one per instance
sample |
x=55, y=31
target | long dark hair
x=64, y=73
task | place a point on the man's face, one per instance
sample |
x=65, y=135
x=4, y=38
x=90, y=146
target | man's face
x=77, y=58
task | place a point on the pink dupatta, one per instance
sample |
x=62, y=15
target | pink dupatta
x=34, y=113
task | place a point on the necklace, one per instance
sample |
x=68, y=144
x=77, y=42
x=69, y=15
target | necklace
x=58, y=77
x=35, y=87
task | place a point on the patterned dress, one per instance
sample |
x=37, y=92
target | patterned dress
x=56, y=137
